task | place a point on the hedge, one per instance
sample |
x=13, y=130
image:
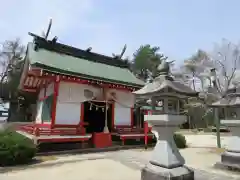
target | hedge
x=180, y=140
x=15, y=149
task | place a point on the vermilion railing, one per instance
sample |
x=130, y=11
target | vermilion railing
x=47, y=131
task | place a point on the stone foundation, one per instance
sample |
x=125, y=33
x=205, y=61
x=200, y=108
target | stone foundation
x=167, y=162
x=230, y=159
x=152, y=172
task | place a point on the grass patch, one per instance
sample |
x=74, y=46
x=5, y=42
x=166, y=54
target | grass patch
x=144, y=150
x=217, y=150
x=46, y=158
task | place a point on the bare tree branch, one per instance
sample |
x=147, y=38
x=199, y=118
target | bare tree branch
x=237, y=58
x=10, y=54
x=226, y=62
x=224, y=71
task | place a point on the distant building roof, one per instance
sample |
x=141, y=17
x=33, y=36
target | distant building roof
x=150, y=108
x=231, y=100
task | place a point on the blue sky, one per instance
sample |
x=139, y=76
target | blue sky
x=179, y=27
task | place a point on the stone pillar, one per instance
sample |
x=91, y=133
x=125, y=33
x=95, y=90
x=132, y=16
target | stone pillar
x=231, y=157
x=166, y=161
x=153, y=103
x=106, y=130
x=3, y=125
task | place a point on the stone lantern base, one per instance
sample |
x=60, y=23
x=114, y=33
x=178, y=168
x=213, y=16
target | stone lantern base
x=153, y=172
x=230, y=159
x=166, y=162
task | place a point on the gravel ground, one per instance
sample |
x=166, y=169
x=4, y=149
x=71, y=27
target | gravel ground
x=102, y=169
x=205, y=140
x=119, y=165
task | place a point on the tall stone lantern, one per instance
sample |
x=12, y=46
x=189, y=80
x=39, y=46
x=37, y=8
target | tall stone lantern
x=166, y=161
x=231, y=103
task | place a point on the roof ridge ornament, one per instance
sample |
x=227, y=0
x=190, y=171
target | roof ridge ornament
x=164, y=68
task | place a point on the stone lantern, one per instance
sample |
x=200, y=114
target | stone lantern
x=231, y=104
x=166, y=161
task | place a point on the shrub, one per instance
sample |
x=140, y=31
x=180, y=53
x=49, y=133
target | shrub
x=15, y=149
x=180, y=140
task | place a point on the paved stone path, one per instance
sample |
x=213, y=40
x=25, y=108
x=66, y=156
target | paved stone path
x=205, y=140
x=133, y=160
x=106, y=166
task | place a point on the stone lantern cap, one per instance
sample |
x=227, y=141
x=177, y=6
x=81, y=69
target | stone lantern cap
x=166, y=82
x=163, y=82
x=231, y=100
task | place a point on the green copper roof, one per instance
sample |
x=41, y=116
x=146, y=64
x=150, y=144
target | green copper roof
x=81, y=67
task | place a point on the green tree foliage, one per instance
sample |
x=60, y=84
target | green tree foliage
x=193, y=66
x=192, y=73
x=146, y=59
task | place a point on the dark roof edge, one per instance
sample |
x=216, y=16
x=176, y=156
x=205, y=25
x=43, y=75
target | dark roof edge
x=60, y=71
x=189, y=94
x=24, y=69
x=75, y=52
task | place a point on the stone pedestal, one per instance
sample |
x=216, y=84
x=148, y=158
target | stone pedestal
x=102, y=140
x=3, y=125
x=106, y=130
x=166, y=161
x=231, y=157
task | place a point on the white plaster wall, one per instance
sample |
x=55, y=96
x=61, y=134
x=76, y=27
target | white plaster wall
x=50, y=89
x=124, y=102
x=125, y=98
x=38, y=117
x=41, y=93
x=68, y=113
x=70, y=97
x=122, y=115
x=73, y=92
x=39, y=112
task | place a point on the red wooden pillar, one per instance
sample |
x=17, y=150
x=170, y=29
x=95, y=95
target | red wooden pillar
x=132, y=117
x=55, y=96
x=113, y=111
x=145, y=134
x=146, y=129
x=45, y=90
x=81, y=128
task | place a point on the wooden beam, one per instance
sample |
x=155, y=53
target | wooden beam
x=35, y=72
